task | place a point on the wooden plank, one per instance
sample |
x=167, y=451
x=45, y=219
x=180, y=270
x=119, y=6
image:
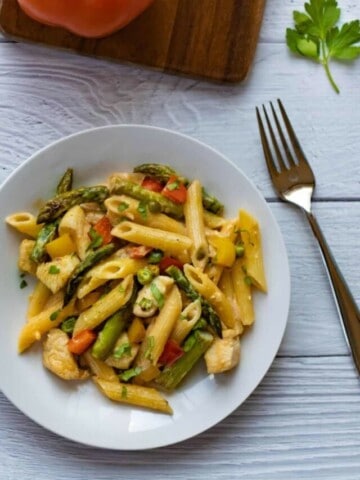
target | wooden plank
x=48, y=94
x=302, y=423
x=214, y=39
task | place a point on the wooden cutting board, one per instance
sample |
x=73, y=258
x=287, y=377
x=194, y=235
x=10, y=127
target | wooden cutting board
x=213, y=39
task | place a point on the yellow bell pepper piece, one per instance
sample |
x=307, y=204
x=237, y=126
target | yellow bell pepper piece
x=136, y=331
x=225, y=251
x=61, y=246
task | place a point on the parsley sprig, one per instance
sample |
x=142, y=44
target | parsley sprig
x=316, y=35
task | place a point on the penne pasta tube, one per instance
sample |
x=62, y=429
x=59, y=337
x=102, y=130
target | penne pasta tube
x=74, y=223
x=134, y=395
x=203, y=285
x=50, y=318
x=213, y=221
x=227, y=287
x=171, y=243
x=242, y=289
x=123, y=206
x=105, y=306
x=251, y=236
x=164, y=323
x=38, y=299
x=24, y=222
x=186, y=321
x=194, y=221
x=99, y=368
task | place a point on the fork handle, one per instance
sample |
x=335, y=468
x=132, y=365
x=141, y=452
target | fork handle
x=347, y=308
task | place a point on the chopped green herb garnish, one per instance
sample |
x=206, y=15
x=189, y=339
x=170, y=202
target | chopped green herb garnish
x=129, y=374
x=54, y=270
x=123, y=350
x=123, y=206
x=173, y=186
x=142, y=209
x=150, y=344
x=121, y=289
x=124, y=392
x=68, y=325
x=146, y=304
x=23, y=284
x=54, y=315
x=96, y=239
x=155, y=256
x=22, y=275
x=239, y=250
x=248, y=280
x=158, y=296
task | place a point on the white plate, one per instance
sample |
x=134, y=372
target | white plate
x=77, y=410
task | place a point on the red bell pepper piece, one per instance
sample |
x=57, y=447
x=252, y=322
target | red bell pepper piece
x=175, y=190
x=103, y=227
x=167, y=262
x=152, y=184
x=172, y=352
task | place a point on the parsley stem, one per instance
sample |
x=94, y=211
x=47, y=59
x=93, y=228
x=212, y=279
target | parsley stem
x=330, y=77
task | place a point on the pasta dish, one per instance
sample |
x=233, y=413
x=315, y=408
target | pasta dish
x=137, y=280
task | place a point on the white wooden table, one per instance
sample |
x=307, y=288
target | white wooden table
x=303, y=422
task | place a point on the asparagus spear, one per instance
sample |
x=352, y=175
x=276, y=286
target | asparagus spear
x=57, y=206
x=46, y=234
x=163, y=174
x=65, y=184
x=160, y=172
x=171, y=376
x=207, y=310
x=112, y=329
x=120, y=186
x=89, y=261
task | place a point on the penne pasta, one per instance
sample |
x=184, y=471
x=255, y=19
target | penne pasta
x=25, y=263
x=203, y=285
x=242, y=290
x=227, y=287
x=24, y=222
x=134, y=395
x=105, y=306
x=186, y=321
x=172, y=243
x=74, y=223
x=99, y=368
x=194, y=221
x=38, y=299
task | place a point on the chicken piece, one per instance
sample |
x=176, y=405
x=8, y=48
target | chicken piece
x=123, y=354
x=56, y=273
x=223, y=355
x=146, y=305
x=25, y=264
x=58, y=359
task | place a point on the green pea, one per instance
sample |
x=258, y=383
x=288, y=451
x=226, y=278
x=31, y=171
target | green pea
x=155, y=256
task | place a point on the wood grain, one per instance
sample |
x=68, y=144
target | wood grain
x=214, y=39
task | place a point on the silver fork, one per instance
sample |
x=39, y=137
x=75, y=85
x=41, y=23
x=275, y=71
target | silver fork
x=294, y=182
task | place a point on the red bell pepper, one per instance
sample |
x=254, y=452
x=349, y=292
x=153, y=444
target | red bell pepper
x=175, y=190
x=81, y=342
x=87, y=18
x=152, y=184
x=172, y=352
x=167, y=262
x=103, y=227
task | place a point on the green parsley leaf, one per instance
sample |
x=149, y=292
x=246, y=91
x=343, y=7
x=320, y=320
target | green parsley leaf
x=123, y=350
x=142, y=209
x=248, y=280
x=68, y=325
x=173, y=186
x=158, y=296
x=122, y=206
x=23, y=284
x=54, y=270
x=129, y=374
x=317, y=37
x=150, y=344
x=96, y=239
x=54, y=315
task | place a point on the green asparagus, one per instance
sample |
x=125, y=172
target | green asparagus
x=171, y=376
x=57, y=206
x=113, y=328
x=120, y=186
x=46, y=235
x=207, y=310
x=163, y=174
x=65, y=184
x=90, y=260
x=160, y=172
